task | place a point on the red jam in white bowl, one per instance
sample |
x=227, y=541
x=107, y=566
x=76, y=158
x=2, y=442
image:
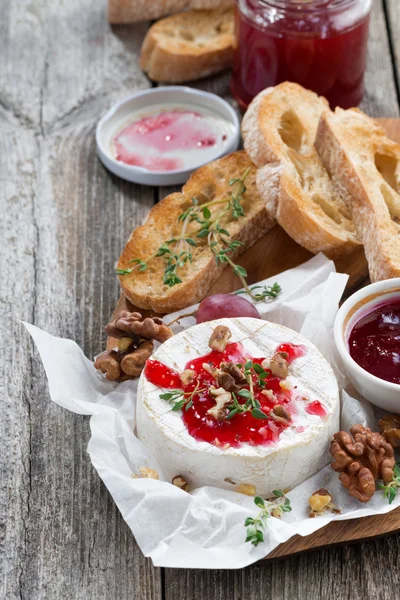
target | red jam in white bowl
x=171, y=138
x=374, y=341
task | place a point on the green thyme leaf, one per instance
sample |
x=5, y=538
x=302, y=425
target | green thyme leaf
x=232, y=413
x=223, y=231
x=123, y=271
x=238, y=270
x=258, y=501
x=258, y=414
x=178, y=405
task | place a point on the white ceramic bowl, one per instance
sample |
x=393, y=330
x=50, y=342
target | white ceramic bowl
x=119, y=115
x=382, y=393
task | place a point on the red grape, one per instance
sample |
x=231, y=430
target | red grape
x=225, y=305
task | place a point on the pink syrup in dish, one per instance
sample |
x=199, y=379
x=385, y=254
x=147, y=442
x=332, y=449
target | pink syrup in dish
x=159, y=142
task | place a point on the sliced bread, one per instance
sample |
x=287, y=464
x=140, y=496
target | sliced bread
x=365, y=164
x=146, y=288
x=189, y=46
x=279, y=132
x=132, y=11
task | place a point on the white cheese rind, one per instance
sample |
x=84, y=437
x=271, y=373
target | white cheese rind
x=282, y=465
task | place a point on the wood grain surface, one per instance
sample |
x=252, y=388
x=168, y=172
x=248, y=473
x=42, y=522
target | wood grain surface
x=63, y=223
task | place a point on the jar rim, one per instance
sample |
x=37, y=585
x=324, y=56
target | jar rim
x=304, y=6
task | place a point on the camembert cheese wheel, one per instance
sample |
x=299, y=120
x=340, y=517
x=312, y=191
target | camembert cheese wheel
x=270, y=431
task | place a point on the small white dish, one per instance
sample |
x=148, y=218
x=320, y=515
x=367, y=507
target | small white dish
x=382, y=393
x=140, y=104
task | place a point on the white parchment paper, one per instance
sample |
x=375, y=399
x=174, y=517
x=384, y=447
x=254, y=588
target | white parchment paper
x=205, y=528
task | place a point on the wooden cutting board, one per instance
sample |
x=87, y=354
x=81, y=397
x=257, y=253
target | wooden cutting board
x=274, y=253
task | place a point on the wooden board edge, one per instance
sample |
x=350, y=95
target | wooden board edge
x=339, y=533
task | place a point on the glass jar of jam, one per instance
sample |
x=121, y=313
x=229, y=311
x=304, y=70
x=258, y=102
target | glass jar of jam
x=320, y=44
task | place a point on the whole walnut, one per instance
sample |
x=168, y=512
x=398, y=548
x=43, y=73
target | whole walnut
x=361, y=457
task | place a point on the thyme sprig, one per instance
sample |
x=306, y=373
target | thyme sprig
x=181, y=400
x=390, y=489
x=252, y=404
x=257, y=525
x=177, y=252
x=175, y=257
x=267, y=291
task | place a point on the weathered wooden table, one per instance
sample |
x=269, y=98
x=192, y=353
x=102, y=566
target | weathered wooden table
x=64, y=220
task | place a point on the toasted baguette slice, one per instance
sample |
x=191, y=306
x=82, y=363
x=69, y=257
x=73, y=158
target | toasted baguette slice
x=279, y=131
x=189, y=46
x=365, y=164
x=132, y=11
x=211, y=182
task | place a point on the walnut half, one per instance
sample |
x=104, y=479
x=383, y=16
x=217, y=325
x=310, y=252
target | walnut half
x=320, y=502
x=280, y=414
x=278, y=365
x=234, y=371
x=109, y=364
x=222, y=398
x=133, y=363
x=219, y=338
x=180, y=482
x=133, y=324
x=389, y=427
x=223, y=378
x=188, y=376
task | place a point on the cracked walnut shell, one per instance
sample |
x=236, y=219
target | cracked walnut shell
x=361, y=457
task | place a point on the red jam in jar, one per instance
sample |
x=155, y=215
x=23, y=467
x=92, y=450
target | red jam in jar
x=374, y=341
x=320, y=44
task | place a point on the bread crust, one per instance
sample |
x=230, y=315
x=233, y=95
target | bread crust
x=133, y=11
x=146, y=289
x=189, y=46
x=353, y=147
x=279, y=131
